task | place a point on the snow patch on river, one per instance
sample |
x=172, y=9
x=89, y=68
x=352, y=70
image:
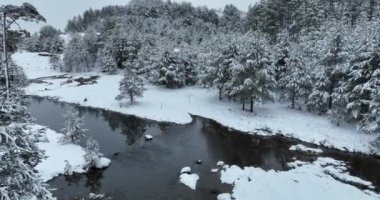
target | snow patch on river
x=324, y=178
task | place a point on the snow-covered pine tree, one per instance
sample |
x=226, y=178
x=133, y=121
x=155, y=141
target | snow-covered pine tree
x=336, y=64
x=170, y=71
x=18, y=152
x=319, y=97
x=338, y=112
x=93, y=154
x=106, y=61
x=131, y=86
x=68, y=170
x=363, y=66
x=257, y=72
x=76, y=56
x=73, y=127
x=222, y=80
x=371, y=123
x=295, y=81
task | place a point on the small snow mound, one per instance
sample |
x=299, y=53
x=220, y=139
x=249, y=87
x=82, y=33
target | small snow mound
x=103, y=163
x=214, y=170
x=220, y=163
x=224, y=196
x=186, y=170
x=190, y=180
x=95, y=196
x=300, y=147
x=148, y=137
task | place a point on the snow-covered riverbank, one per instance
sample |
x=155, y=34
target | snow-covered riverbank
x=176, y=105
x=57, y=154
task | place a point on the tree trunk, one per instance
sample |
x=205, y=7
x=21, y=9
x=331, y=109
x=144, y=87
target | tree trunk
x=220, y=93
x=251, y=105
x=242, y=101
x=5, y=53
x=131, y=96
x=293, y=98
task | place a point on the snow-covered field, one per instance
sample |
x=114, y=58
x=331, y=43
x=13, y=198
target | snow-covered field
x=57, y=153
x=321, y=179
x=176, y=105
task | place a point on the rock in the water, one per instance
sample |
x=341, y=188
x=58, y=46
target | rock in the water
x=220, y=163
x=214, y=170
x=148, y=137
x=198, y=162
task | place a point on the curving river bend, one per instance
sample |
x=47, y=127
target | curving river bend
x=150, y=170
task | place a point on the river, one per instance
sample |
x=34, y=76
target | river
x=150, y=170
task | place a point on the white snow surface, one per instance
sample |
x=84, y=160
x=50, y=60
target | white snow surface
x=148, y=137
x=103, y=162
x=224, y=196
x=301, y=147
x=176, y=105
x=56, y=153
x=312, y=181
x=186, y=170
x=190, y=180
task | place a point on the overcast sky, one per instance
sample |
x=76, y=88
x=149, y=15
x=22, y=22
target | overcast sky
x=57, y=12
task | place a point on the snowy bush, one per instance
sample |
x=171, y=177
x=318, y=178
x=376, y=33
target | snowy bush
x=73, y=127
x=93, y=156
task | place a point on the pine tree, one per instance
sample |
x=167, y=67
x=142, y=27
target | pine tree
x=319, y=98
x=359, y=91
x=106, y=61
x=221, y=77
x=170, y=71
x=93, y=154
x=296, y=83
x=73, y=128
x=338, y=112
x=371, y=123
x=335, y=64
x=19, y=153
x=131, y=86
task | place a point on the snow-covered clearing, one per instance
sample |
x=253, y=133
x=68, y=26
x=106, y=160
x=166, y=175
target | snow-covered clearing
x=176, y=105
x=323, y=179
x=56, y=153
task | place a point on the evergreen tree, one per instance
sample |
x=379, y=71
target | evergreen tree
x=170, y=70
x=76, y=56
x=363, y=66
x=319, y=98
x=336, y=64
x=73, y=128
x=106, y=61
x=296, y=83
x=338, y=112
x=371, y=123
x=93, y=154
x=131, y=86
x=19, y=153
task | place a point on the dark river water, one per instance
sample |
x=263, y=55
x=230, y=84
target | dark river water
x=150, y=170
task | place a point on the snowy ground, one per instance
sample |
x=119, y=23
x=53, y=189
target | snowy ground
x=56, y=153
x=325, y=178
x=176, y=105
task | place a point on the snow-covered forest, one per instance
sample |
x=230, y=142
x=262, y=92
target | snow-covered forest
x=320, y=56
x=307, y=70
